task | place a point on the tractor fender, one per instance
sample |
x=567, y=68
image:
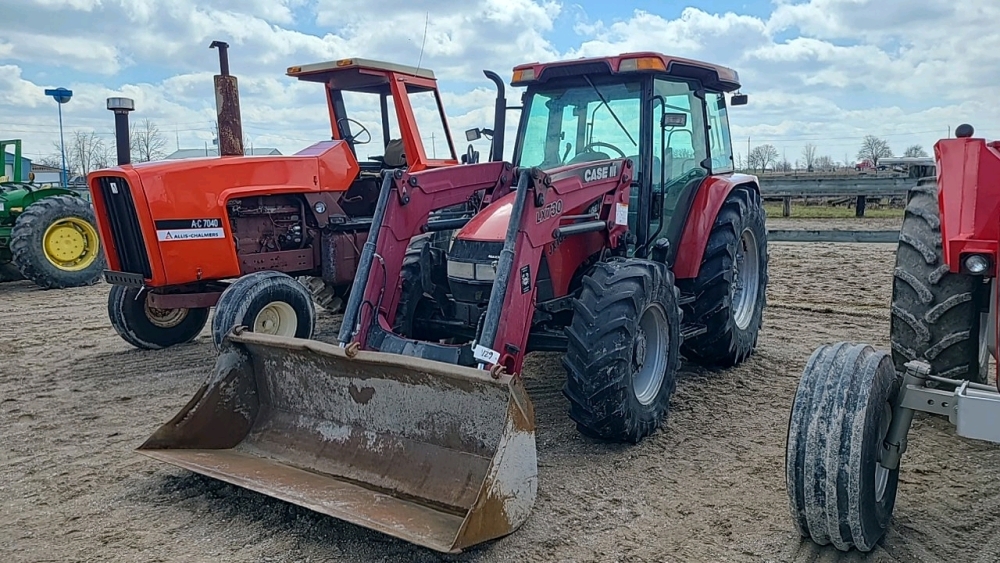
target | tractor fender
x=705, y=207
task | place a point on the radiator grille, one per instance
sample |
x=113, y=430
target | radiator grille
x=130, y=248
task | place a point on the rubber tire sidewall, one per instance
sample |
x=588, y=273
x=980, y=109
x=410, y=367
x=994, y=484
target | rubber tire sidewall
x=243, y=300
x=598, y=358
x=127, y=312
x=725, y=344
x=927, y=306
x=27, y=242
x=830, y=481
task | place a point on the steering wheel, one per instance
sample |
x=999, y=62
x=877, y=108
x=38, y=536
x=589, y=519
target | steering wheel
x=354, y=137
x=620, y=152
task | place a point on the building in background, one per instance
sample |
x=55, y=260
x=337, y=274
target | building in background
x=8, y=168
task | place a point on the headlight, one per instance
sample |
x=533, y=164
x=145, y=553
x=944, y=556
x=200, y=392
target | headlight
x=485, y=272
x=471, y=271
x=977, y=264
x=462, y=270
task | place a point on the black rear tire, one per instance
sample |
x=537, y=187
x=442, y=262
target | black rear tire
x=837, y=490
x=937, y=316
x=738, y=238
x=625, y=319
x=148, y=328
x=27, y=243
x=269, y=302
x=423, y=275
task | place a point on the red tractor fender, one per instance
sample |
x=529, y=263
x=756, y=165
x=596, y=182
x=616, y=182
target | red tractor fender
x=967, y=169
x=705, y=207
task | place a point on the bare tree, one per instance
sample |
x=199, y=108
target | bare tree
x=915, y=151
x=761, y=157
x=105, y=155
x=53, y=160
x=809, y=156
x=82, y=152
x=147, y=141
x=783, y=166
x=823, y=163
x=873, y=149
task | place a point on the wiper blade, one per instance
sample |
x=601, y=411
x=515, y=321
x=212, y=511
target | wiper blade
x=607, y=105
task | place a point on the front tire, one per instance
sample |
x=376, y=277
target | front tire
x=937, y=316
x=266, y=302
x=731, y=287
x=623, y=350
x=148, y=328
x=838, y=491
x=55, y=243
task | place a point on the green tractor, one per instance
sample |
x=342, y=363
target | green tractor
x=47, y=234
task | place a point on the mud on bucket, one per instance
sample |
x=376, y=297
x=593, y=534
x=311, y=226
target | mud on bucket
x=439, y=455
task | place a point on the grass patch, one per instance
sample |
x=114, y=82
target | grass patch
x=800, y=211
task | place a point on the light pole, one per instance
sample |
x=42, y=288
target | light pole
x=121, y=107
x=61, y=96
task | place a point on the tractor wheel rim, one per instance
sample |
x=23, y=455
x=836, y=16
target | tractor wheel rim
x=277, y=318
x=164, y=318
x=881, y=473
x=746, y=280
x=71, y=244
x=650, y=354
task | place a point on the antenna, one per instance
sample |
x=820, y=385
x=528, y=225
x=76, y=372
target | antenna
x=427, y=16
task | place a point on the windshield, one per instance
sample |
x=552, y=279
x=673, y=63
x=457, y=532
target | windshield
x=580, y=123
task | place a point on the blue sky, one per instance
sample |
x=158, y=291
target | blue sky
x=818, y=71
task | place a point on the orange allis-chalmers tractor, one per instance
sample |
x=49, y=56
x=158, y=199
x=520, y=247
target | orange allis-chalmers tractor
x=854, y=405
x=176, y=232
x=619, y=235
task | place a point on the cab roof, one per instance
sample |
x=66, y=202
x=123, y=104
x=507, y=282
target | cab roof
x=713, y=77
x=357, y=74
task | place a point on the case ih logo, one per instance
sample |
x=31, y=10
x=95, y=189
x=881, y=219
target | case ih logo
x=600, y=172
x=549, y=211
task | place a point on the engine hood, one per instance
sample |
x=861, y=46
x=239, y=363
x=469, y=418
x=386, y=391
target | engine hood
x=327, y=165
x=490, y=224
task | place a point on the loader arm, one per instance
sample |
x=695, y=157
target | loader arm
x=538, y=218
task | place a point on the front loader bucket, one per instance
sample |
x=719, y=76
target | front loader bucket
x=439, y=455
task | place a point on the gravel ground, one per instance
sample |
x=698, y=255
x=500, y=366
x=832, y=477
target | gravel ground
x=75, y=401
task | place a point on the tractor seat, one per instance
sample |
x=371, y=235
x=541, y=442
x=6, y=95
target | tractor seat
x=394, y=155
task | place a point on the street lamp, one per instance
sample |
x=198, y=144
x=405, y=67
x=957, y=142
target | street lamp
x=61, y=95
x=121, y=107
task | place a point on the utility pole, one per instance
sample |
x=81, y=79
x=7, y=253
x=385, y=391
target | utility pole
x=433, y=146
x=61, y=96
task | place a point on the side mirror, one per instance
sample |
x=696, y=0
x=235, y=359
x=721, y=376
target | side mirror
x=739, y=100
x=473, y=135
x=674, y=120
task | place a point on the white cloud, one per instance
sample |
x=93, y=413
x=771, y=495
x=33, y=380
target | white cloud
x=823, y=71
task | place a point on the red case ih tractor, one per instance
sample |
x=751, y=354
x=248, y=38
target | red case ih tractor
x=854, y=404
x=619, y=234
x=176, y=232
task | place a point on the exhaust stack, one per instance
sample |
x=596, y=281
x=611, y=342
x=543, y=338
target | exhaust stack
x=122, y=107
x=227, y=103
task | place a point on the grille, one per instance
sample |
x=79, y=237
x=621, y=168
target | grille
x=130, y=248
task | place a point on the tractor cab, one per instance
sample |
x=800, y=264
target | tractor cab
x=390, y=115
x=668, y=115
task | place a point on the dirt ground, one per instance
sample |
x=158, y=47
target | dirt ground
x=75, y=401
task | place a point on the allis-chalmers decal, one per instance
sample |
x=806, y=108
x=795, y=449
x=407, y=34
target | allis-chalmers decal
x=600, y=172
x=548, y=211
x=189, y=229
